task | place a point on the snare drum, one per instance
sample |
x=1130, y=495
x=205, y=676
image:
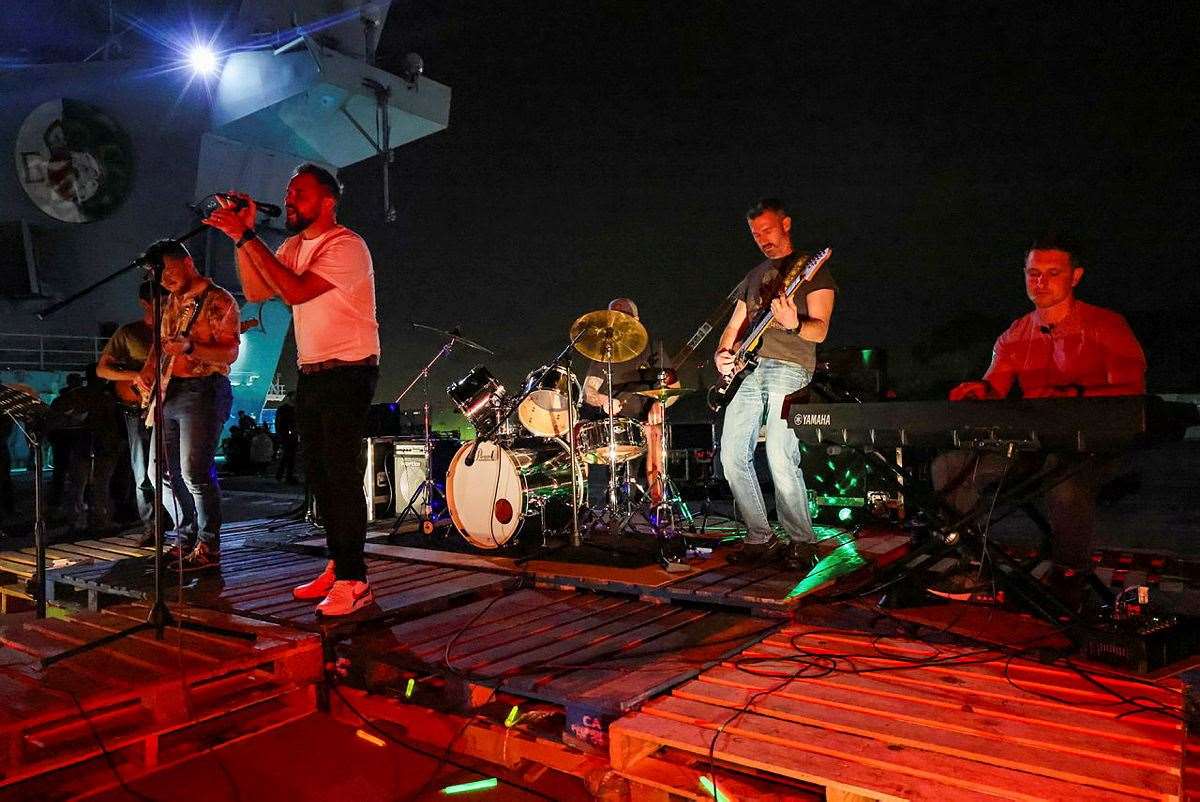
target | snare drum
x=490, y=498
x=591, y=440
x=479, y=396
x=544, y=411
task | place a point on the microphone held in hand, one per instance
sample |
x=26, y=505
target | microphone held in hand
x=210, y=204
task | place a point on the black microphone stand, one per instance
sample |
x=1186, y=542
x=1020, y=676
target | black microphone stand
x=159, y=617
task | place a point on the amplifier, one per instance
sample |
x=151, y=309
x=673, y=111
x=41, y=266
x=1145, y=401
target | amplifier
x=408, y=468
x=378, y=477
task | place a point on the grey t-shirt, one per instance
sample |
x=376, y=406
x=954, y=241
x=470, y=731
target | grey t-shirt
x=761, y=285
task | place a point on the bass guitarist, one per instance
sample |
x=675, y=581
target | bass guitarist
x=787, y=360
x=121, y=363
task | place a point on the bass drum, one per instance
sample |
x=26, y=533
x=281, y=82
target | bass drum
x=490, y=498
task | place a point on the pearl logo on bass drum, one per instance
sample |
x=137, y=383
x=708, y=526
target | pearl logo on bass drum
x=811, y=419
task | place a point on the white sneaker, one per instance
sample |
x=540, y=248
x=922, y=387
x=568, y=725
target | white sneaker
x=345, y=597
x=318, y=588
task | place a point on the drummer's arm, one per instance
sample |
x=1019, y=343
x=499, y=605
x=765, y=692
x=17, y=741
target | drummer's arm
x=592, y=394
x=591, y=391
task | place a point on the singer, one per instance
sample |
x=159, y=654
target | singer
x=1064, y=347
x=324, y=272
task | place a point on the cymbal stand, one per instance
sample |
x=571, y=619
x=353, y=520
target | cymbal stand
x=428, y=486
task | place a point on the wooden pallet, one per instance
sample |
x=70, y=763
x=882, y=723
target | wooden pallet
x=988, y=730
x=131, y=694
x=258, y=582
x=597, y=656
x=775, y=590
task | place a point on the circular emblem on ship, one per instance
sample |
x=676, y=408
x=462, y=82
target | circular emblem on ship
x=74, y=161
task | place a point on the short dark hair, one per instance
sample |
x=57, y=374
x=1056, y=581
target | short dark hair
x=766, y=205
x=324, y=178
x=164, y=248
x=1056, y=241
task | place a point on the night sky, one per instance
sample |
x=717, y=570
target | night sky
x=604, y=149
x=611, y=149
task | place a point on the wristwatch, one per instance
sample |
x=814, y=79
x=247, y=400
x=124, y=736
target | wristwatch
x=249, y=235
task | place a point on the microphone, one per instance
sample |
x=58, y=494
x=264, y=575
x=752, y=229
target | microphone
x=1046, y=329
x=210, y=204
x=268, y=209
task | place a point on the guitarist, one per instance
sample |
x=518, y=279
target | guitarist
x=788, y=358
x=121, y=362
x=201, y=334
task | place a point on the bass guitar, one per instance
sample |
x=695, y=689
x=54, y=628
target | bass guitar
x=745, y=357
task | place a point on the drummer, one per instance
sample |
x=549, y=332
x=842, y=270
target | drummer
x=625, y=405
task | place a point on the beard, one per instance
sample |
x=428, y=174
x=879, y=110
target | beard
x=297, y=222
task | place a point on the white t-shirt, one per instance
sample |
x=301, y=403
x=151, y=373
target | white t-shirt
x=339, y=323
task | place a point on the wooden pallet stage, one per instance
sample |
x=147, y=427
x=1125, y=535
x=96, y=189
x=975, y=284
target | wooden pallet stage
x=258, y=582
x=137, y=694
x=776, y=590
x=595, y=655
x=1003, y=729
x=17, y=565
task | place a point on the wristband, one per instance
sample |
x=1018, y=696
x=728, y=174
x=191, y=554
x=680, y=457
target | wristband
x=249, y=235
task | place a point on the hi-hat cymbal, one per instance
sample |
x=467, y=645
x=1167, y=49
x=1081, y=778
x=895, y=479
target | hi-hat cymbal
x=666, y=394
x=609, y=336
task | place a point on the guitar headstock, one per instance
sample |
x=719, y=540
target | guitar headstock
x=805, y=269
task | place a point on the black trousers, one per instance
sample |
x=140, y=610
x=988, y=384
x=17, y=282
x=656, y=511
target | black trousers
x=331, y=418
x=966, y=477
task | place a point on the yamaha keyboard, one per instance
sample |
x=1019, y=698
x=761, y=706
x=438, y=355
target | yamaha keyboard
x=1054, y=424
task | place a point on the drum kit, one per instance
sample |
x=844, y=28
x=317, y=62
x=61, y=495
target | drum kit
x=531, y=455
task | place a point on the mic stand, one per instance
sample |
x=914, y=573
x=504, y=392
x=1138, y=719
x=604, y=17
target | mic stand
x=22, y=407
x=427, y=487
x=159, y=616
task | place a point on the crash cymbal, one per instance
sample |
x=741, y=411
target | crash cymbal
x=456, y=336
x=666, y=394
x=609, y=336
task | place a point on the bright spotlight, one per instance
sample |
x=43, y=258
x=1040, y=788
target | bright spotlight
x=202, y=60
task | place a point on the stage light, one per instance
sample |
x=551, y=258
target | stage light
x=369, y=738
x=409, y=687
x=711, y=788
x=466, y=788
x=202, y=60
x=845, y=514
x=514, y=716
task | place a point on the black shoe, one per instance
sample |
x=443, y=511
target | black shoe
x=146, y=539
x=202, y=557
x=757, y=553
x=802, y=556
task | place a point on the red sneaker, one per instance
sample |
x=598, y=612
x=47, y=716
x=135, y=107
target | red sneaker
x=316, y=589
x=202, y=557
x=345, y=597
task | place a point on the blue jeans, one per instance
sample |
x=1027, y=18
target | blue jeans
x=763, y=393
x=193, y=416
x=139, y=457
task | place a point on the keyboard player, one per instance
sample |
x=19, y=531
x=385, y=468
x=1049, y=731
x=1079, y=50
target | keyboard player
x=1063, y=348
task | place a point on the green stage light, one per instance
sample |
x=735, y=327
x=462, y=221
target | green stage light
x=845, y=514
x=712, y=790
x=409, y=687
x=514, y=716
x=466, y=788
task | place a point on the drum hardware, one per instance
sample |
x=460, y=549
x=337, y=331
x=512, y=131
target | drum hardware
x=422, y=497
x=609, y=336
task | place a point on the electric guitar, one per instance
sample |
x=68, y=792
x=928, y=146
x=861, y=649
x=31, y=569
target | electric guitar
x=745, y=357
x=157, y=385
